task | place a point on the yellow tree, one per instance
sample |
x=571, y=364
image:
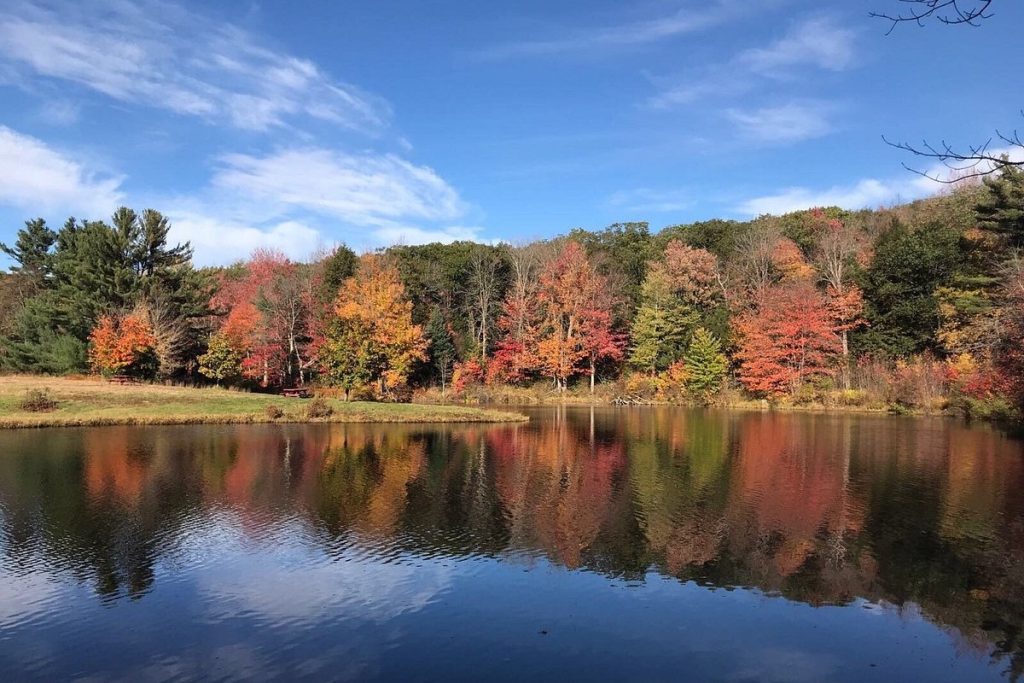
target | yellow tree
x=375, y=301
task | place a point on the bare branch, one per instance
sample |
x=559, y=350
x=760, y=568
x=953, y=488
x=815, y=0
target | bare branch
x=970, y=12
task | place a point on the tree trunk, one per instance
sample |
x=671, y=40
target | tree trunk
x=846, y=361
x=593, y=372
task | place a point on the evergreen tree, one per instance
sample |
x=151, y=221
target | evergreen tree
x=706, y=365
x=899, y=288
x=442, y=346
x=1001, y=209
x=32, y=253
x=662, y=326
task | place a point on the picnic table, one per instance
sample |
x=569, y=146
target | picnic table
x=297, y=392
x=121, y=379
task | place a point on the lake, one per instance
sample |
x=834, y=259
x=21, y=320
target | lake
x=645, y=544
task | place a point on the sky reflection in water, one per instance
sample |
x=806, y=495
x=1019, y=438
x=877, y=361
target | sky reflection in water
x=639, y=544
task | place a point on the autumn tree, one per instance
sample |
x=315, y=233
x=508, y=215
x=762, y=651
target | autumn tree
x=515, y=355
x=838, y=246
x=373, y=303
x=785, y=340
x=122, y=345
x=222, y=361
x=349, y=356
x=574, y=303
x=682, y=290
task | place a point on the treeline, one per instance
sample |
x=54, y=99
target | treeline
x=917, y=306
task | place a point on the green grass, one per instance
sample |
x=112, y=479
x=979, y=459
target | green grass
x=87, y=402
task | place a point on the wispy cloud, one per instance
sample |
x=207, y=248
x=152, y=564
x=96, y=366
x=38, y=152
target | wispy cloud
x=360, y=189
x=689, y=19
x=819, y=42
x=36, y=177
x=159, y=55
x=786, y=123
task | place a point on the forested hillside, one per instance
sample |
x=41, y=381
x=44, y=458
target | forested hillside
x=919, y=306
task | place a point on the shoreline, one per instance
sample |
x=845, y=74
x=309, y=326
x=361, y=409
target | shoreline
x=94, y=402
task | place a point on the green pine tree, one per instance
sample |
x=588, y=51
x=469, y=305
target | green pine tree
x=662, y=326
x=442, y=346
x=706, y=365
x=1001, y=210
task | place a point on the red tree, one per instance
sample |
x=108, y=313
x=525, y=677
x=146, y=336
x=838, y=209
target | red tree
x=576, y=316
x=787, y=339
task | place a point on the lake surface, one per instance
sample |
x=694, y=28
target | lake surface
x=641, y=544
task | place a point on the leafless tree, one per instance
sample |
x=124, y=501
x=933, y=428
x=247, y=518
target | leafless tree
x=970, y=161
x=756, y=256
x=484, y=288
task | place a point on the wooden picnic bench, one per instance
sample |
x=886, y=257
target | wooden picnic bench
x=121, y=379
x=297, y=392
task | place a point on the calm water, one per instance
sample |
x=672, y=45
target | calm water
x=629, y=544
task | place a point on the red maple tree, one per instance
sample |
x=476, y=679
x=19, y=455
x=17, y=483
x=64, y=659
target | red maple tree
x=789, y=338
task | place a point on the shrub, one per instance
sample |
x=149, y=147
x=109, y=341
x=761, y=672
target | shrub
x=318, y=409
x=274, y=412
x=38, y=401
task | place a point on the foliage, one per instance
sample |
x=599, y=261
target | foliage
x=374, y=305
x=1001, y=209
x=899, y=288
x=222, y=361
x=788, y=339
x=442, y=349
x=123, y=345
x=706, y=365
x=274, y=412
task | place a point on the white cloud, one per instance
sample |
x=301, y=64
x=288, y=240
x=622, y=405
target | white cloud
x=867, y=192
x=297, y=200
x=159, y=55
x=219, y=239
x=361, y=189
x=818, y=42
x=649, y=200
x=683, y=21
x=37, y=177
x=786, y=123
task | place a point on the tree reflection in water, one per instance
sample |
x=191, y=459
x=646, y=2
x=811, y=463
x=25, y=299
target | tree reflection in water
x=818, y=509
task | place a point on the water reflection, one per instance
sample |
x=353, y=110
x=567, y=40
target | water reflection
x=301, y=527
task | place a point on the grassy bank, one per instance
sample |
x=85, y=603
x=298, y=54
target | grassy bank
x=89, y=402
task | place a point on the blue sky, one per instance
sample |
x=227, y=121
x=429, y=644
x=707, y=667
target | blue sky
x=299, y=125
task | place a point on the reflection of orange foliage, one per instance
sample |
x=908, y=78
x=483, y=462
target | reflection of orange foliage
x=110, y=471
x=792, y=485
x=556, y=484
x=399, y=466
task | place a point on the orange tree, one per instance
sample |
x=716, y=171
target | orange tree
x=374, y=302
x=124, y=345
x=789, y=338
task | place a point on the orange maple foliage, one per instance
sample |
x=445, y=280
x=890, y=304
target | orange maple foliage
x=376, y=299
x=116, y=344
x=576, y=316
x=787, y=339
